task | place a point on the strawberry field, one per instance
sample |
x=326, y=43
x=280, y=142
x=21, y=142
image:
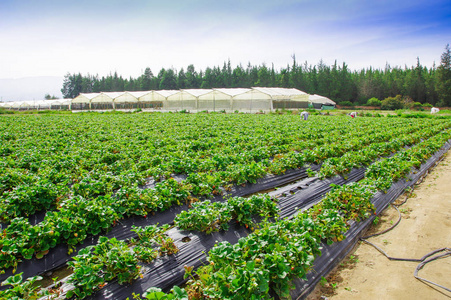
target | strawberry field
x=168, y=202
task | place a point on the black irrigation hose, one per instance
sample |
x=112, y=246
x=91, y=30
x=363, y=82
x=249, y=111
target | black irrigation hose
x=386, y=230
x=389, y=257
x=421, y=265
x=425, y=259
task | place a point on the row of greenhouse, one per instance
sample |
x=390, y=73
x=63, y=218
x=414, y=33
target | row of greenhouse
x=232, y=99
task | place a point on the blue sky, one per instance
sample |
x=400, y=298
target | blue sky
x=51, y=38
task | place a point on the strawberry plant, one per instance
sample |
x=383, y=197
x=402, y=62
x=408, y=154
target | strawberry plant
x=207, y=216
x=96, y=265
x=157, y=294
x=153, y=236
x=204, y=216
x=21, y=289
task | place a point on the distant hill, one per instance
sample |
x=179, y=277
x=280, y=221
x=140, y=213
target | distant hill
x=30, y=88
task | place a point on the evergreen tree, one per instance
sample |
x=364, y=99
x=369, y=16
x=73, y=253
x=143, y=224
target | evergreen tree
x=336, y=82
x=415, y=84
x=239, y=78
x=208, y=80
x=264, y=76
x=324, y=79
x=192, y=80
x=444, y=78
x=181, y=80
x=168, y=80
x=146, y=80
x=72, y=85
x=431, y=92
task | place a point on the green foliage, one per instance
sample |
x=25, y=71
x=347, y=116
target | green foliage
x=110, y=259
x=95, y=265
x=5, y=111
x=20, y=289
x=417, y=105
x=374, y=102
x=444, y=79
x=346, y=103
x=157, y=294
x=392, y=103
x=209, y=217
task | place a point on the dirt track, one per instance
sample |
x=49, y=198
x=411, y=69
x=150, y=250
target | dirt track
x=425, y=226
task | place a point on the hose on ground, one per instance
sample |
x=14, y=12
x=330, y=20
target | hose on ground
x=447, y=252
x=431, y=256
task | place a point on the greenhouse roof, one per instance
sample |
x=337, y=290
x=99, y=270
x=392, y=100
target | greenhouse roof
x=167, y=93
x=113, y=95
x=279, y=91
x=197, y=92
x=65, y=101
x=16, y=104
x=139, y=94
x=233, y=92
x=88, y=95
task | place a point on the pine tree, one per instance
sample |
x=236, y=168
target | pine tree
x=444, y=78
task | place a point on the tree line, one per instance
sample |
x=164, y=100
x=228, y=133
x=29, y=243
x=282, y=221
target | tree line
x=337, y=82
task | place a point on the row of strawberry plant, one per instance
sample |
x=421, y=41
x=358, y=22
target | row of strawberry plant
x=89, y=265
x=207, y=216
x=95, y=265
x=365, y=156
x=79, y=217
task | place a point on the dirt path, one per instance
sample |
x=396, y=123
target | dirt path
x=425, y=226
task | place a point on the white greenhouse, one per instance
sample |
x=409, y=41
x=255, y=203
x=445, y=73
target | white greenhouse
x=83, y=101
x=105, y=101
x=57, y=104
x=256, y=99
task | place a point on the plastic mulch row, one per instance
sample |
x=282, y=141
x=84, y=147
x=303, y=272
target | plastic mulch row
x=168, y=271
x=333, y=254
x=58, y=256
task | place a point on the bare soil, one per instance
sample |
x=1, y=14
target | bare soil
x=425, y=226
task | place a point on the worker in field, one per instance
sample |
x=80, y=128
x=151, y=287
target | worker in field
x=434, y=110
x=353, y=114
x=304, y=115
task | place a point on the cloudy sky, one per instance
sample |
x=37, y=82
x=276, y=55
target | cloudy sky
x=51, y=38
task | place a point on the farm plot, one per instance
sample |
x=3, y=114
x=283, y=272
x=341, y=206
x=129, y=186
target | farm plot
x=68, y=179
